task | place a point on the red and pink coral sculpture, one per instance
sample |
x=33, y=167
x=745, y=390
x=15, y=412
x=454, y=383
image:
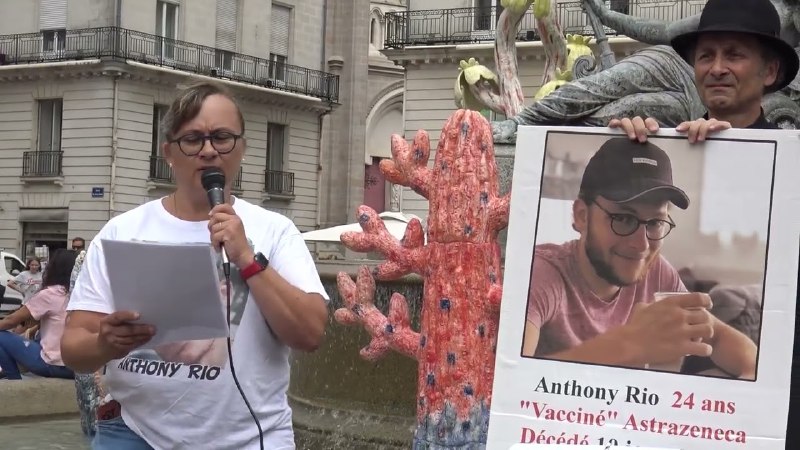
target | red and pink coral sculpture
x=460, y=264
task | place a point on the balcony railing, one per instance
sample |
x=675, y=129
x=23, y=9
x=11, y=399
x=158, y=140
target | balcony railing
x=160, y=171
x=124, y=44
x=237, y=182
x=279, y=183
x=470, y=25
x=42, y=164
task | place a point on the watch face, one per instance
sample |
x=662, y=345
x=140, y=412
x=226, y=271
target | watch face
x=261, y=259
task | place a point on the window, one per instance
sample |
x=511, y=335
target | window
x=167, y=27
x=12, y=264
x=223, y=60
x=376, y=29
x=374, y=186
x=279, y=41
x=492, y=116
x=227, y=24
x=483, y=15
x=277, y=67
x=50, y=125
x=276, y=146
x=52, y=14
x=374, y=32
x=620, y=6
x=159, y=111
x=277, y=181
x=54, y=40
x=718, y=187
x=159, y=169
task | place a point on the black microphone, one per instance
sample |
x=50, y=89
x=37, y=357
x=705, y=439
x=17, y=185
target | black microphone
x=213, y=181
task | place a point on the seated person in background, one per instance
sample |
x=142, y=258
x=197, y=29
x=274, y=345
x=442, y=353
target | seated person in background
x=48, y=306
x=593, y=300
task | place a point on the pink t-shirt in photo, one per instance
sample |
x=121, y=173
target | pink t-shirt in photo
x=48, y=306
x=567, y=312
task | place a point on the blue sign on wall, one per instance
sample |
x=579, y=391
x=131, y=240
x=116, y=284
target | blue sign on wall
x=97, y=192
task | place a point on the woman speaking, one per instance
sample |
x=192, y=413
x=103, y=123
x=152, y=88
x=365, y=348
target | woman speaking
x=188, y=394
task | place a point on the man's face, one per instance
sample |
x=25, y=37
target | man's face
x=731, y=73
x=77, y=245
x=619, y=260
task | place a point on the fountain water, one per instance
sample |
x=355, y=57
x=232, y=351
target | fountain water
x=341, y=401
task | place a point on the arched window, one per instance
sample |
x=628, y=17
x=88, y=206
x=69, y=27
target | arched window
x=384, y=118
x=375, y=32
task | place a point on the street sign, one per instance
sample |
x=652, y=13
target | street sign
x=97, y=192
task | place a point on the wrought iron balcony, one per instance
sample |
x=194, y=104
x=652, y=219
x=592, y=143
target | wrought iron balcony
x=279, y=183
x=42, y=164
x=161, y=172
x=123, y=44
x=479, y=24
x=237, y=182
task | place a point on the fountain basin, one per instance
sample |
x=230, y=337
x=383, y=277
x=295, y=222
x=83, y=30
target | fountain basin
x=341, y=401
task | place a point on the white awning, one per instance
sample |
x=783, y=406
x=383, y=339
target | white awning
x=395, y=222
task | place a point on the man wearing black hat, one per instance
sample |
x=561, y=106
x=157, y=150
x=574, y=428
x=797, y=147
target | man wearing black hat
x=593, y=299
x=738, y=56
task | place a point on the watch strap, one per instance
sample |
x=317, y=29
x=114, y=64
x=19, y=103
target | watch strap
x=252, y=269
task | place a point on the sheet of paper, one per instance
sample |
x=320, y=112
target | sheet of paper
x=174, y=287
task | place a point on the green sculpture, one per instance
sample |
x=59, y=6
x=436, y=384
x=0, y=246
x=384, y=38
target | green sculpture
x=478, y=88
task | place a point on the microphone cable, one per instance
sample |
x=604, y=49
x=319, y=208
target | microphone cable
x=226, y=267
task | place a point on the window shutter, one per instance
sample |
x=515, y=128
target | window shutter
x=227, y=20
x=52, y=14
x=279, y=38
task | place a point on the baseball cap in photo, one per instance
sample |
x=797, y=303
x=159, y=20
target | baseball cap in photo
x=623, y=170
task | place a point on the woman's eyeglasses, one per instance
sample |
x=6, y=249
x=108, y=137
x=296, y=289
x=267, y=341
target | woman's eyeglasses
x=192, y=143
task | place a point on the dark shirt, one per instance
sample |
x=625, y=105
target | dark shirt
x=760, y=124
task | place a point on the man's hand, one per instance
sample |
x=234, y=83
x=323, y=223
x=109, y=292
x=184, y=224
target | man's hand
x=637, y=128
x=698, y=130
x=672, y=328
x=118, y=336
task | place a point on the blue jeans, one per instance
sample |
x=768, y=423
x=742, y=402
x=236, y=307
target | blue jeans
x=15, y=349
x=113, y=434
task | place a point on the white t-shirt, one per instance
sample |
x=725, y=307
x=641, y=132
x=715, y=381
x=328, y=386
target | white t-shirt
x=29, y=283
x=182, y=395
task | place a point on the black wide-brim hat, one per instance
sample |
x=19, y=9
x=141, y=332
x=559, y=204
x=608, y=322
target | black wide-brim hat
x=758, y=18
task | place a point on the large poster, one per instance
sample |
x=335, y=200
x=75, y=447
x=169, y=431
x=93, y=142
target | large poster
x=649, y=295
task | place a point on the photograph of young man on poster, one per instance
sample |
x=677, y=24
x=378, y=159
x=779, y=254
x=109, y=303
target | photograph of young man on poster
x=603, y=288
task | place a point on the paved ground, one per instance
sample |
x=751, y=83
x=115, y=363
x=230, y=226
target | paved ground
x=62, y=434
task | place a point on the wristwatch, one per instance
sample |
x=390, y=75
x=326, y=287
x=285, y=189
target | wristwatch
x=259, y=264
